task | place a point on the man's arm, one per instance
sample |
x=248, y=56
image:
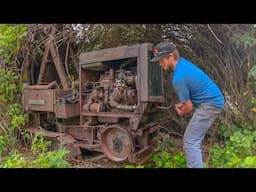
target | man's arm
x=184, y=108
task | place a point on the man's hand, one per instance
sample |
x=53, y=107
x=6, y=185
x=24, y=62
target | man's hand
x=184, y=108
x=178, y=108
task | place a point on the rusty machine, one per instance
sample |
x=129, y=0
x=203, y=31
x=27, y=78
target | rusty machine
x=109, y=112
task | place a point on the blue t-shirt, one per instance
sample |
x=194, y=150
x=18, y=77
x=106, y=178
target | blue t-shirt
x=191, y=83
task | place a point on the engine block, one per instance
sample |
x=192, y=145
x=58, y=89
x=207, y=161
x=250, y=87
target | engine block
x=115, y=91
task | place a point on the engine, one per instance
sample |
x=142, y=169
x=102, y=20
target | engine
x=115, y=91
x=109, y=112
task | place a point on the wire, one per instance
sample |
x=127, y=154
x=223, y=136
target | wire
x=169, y=130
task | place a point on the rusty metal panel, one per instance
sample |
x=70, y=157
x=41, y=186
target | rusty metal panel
x=40, y=87
x=84, y=76
x=66, y=111
x=44, y=132
x=108, y=120
x=66, y=139
x=59, y=66
x=135, y=121
x=156, y=99
x=81, y=89
x=39, y=100
x=43, y=64
x=143, y=72
x=155, y=82
x=78, y=133
x=51, y=49
x=62, y=93
x=107, y=114
x=109, y=54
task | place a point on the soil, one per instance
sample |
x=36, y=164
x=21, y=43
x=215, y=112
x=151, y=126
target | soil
x=98, y=160
x=91, y=159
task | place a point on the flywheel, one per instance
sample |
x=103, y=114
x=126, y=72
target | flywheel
x=116, y=143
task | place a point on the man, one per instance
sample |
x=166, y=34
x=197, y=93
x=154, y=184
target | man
x=194, y=89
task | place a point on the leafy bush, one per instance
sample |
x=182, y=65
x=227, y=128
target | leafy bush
x=39, y=144
x=40, y=154
x=164, y=157
x=168, y=160
x=252, y=73
x=179, y=160
x=2, y=144
x=226, y=131
x=18, y=119
x=52, y=159
x=46, y=158
x=8, y=86
x=134, y=166
x=10, y=39
x=162, y=160
x=238, y=151
x=15, y=160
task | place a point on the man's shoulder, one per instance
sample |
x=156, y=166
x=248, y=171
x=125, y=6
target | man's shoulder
x=185, y=60
x=183, y=71
x=190, y=69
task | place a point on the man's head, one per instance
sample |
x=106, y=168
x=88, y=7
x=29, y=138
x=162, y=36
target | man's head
x=167, y=55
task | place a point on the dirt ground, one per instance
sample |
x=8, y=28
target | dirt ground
x=98, y=160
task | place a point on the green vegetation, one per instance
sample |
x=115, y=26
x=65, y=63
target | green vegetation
x=239, y=151
x=8, y=87
x=39, y=157
x=165, y=157
x=11, y=37
x=226, y=52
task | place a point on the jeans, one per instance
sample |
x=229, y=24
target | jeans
x=201, y=121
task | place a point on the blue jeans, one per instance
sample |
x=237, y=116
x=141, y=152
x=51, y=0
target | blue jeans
x=201, y=121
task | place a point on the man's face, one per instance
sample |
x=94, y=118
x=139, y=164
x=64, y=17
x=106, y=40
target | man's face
x=167, y=62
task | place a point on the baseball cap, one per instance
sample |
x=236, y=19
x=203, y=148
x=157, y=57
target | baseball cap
x=162, y=49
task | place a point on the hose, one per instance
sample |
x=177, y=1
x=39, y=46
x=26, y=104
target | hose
x=114, y=104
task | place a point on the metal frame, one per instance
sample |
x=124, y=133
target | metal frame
x=78, y=127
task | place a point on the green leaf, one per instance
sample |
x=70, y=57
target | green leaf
x=226, y=133
x=252, y=72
